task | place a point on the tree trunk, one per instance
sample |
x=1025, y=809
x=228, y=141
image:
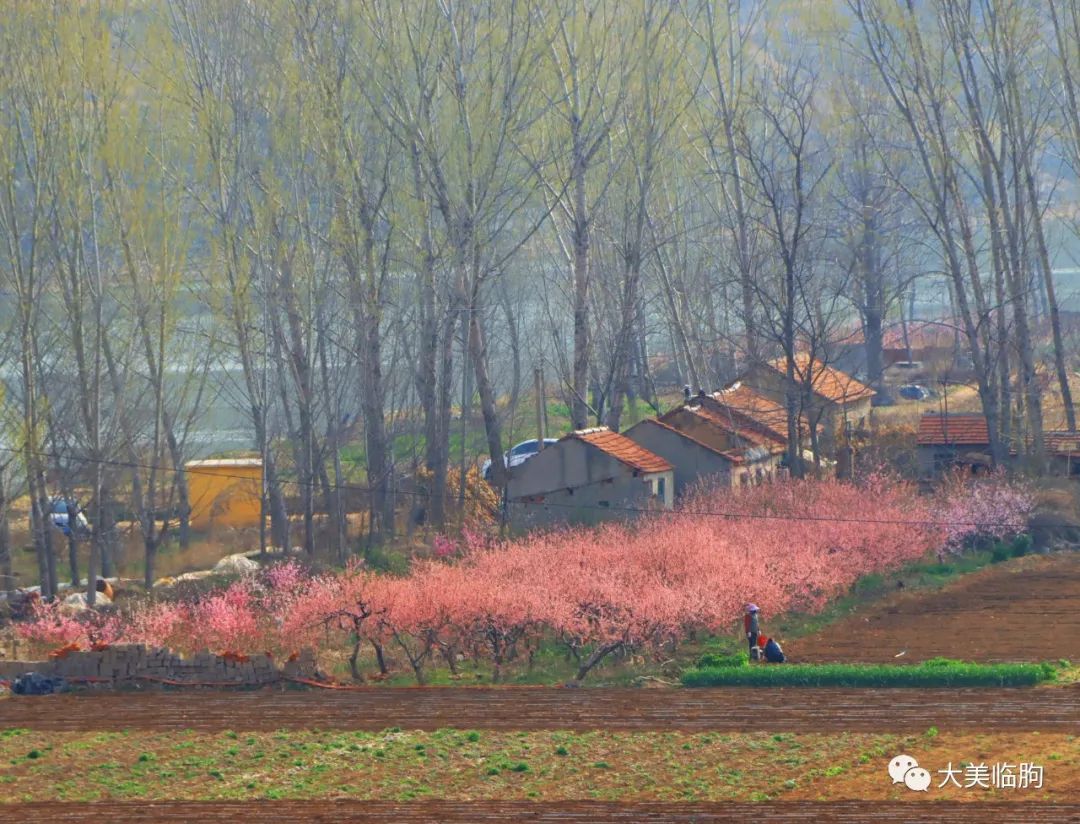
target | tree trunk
x=594, y=658
x=7, y=580
x=73, y=554
x=1051, y=298
x=484, y=388
x=354, y=658
x=373, y=409
x=579, y=410
x=380, y=658
x=439, y=450
x=279, y=518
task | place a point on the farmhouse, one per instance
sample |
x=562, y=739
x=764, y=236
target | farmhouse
x=752, y=410
x=588, y=476
x=923, y=341
x=1063, y=452
x=918, y=340
x=946, y=441
x=750, y=450
x=225, y=492
x=829, y=399
x=719, y=454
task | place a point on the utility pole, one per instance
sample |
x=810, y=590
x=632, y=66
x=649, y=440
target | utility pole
x=945, y=417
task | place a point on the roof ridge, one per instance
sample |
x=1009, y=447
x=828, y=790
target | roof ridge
x=616, y=445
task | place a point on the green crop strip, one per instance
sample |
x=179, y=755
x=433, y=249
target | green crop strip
x=936, y=673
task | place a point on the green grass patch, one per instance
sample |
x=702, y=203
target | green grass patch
x=714, y=660
x=935, y=673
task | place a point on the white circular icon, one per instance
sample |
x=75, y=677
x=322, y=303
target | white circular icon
x=900, y=765
x=917, y=779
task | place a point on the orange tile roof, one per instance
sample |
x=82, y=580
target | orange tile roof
x=732, y=425
x=955, y=429
x=829, y=383
x=742, y=402
x=622, y=449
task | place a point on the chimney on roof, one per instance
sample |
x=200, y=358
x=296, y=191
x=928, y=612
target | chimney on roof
x=701, y=392
x=686, y=392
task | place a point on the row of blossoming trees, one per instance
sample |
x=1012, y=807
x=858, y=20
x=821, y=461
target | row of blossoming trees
x=636, y=588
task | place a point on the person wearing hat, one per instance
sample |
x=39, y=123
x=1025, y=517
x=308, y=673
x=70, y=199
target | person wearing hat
x=750, y=624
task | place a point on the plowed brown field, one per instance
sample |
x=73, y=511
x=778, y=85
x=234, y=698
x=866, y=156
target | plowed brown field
x=1023, y=610
x=780, y=710
x=567, y=812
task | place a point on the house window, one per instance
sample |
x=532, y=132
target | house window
x=659, y=489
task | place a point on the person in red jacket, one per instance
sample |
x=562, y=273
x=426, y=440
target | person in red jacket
x=750, y=624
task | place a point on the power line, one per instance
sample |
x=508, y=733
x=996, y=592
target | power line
x=428, y=496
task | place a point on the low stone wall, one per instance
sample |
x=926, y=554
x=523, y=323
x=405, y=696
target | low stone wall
x=133, y=662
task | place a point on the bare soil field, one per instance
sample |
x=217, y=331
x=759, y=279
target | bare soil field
x=565, y=812
x=1058, y=755
x=1022, y=610
x=540, y=708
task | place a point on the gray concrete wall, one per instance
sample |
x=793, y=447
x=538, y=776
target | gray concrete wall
x=691, y=460
x=568, y=464
x=592, y=504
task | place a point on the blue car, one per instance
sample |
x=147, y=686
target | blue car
x=914, y=392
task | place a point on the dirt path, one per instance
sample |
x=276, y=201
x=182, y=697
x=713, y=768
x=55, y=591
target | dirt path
x=779, y=710
x=567, y=812
x=1023, y=610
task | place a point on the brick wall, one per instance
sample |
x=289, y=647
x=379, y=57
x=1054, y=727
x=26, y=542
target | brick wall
x=132, y=662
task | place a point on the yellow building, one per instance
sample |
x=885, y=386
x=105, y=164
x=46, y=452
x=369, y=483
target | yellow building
x=224, y=492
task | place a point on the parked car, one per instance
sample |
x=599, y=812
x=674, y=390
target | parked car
x=517, y=455
x=67, y=516
x=914, y=392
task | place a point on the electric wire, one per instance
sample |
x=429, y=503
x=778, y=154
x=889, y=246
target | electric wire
x=766, y=516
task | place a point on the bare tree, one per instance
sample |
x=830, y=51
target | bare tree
x=590, y=57
x=463, y=99
x=788, y=162
x=893, y=43
x=729, y=40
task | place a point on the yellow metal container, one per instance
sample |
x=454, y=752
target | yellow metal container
x=224, y=492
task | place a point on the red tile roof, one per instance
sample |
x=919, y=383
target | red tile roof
x=1062, y=443
x=955, y=429
x=829, y=383
x=622, y=449
x=921, y=334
